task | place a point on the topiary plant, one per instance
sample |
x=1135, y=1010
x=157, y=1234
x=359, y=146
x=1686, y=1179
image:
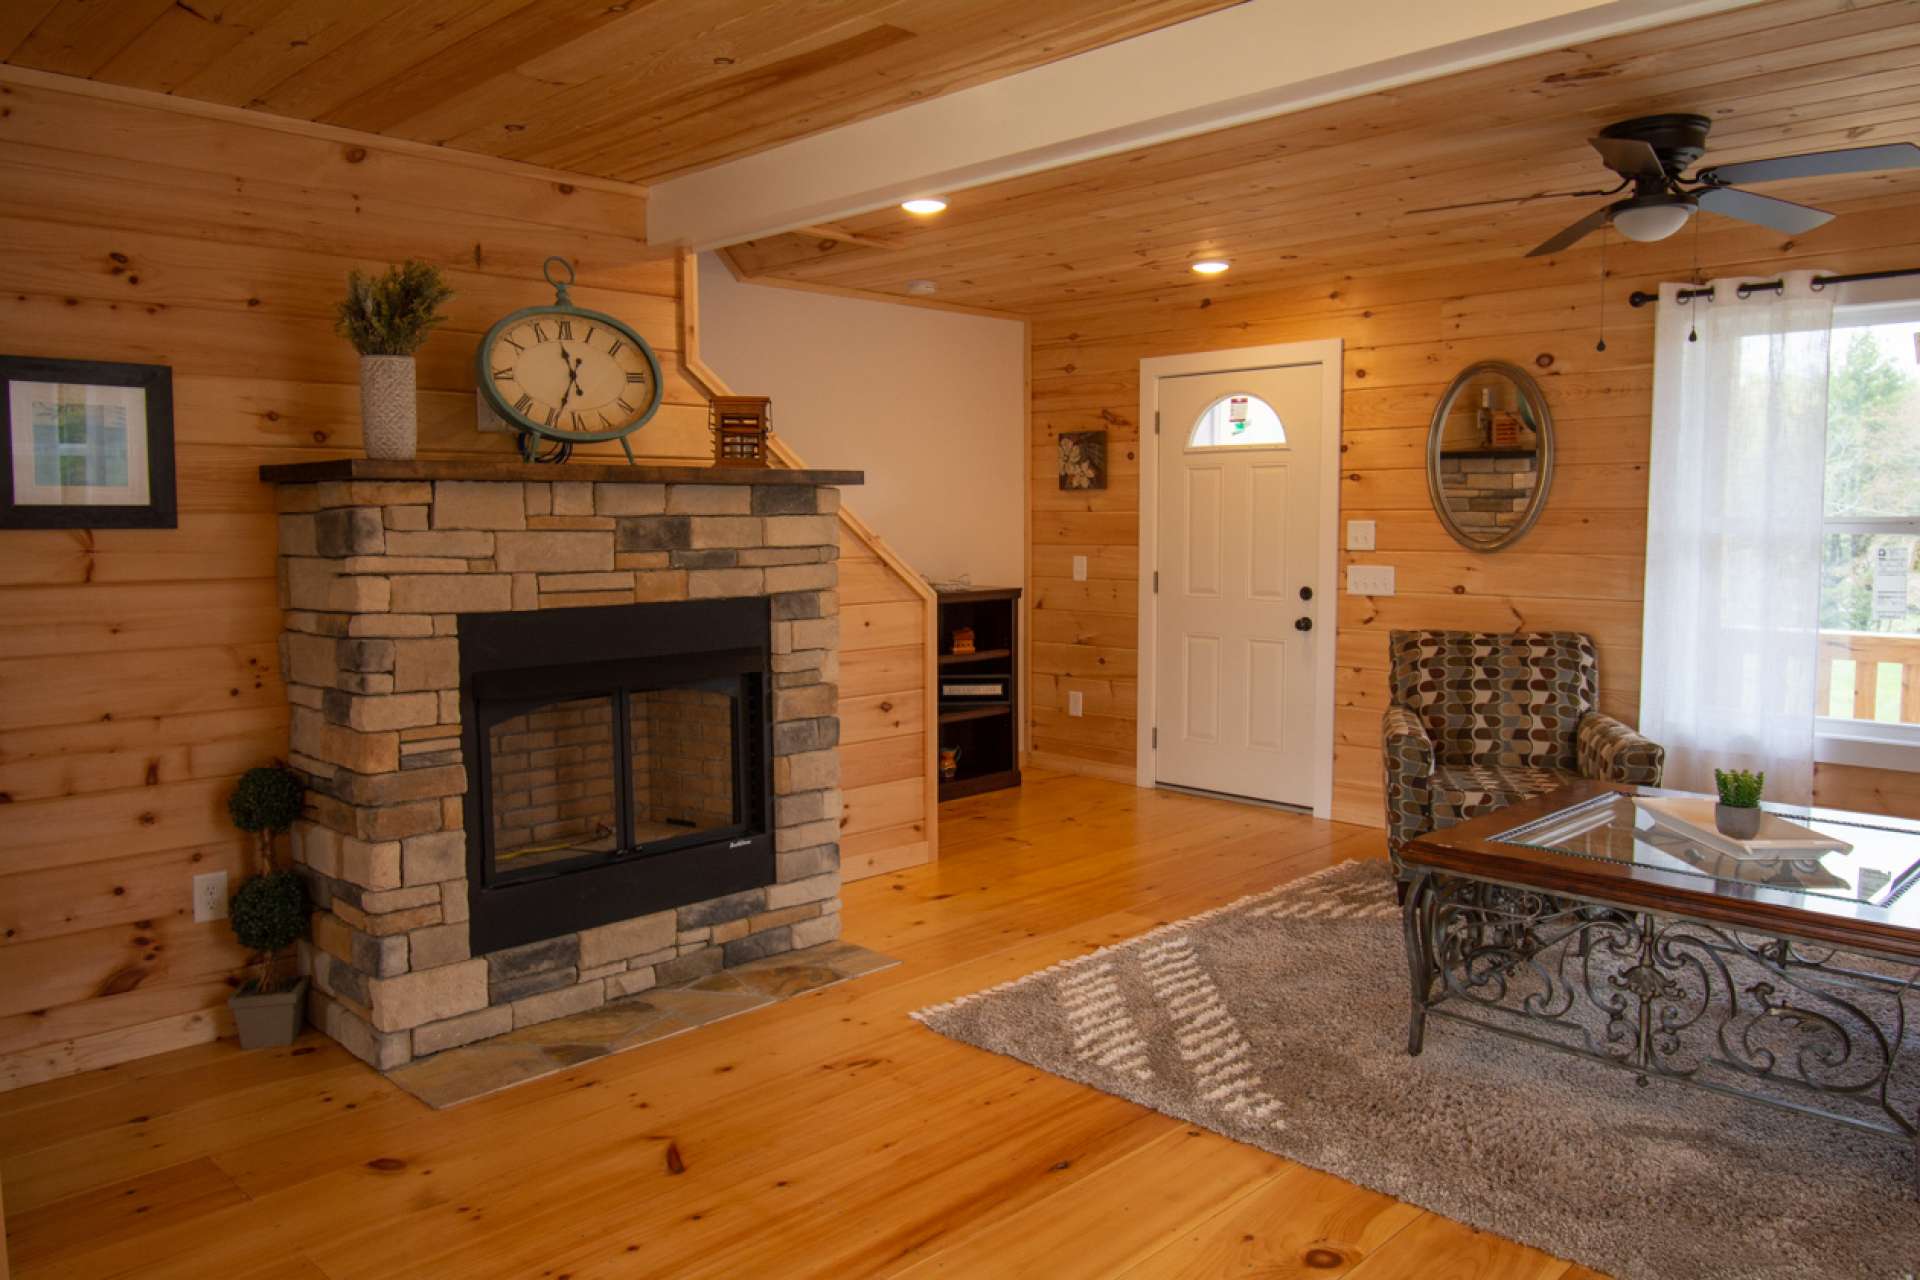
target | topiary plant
x=266, y=799
x=269, y=912
x=1738, y=788
x=390, y=315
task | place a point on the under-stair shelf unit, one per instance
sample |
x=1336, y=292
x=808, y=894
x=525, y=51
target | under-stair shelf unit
x=979, y=690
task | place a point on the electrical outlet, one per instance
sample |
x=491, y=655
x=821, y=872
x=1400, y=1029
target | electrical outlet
x=1359, y=535
x=209, y=897
x=1079, y=568
x=1369, y=579
x=1074, y=702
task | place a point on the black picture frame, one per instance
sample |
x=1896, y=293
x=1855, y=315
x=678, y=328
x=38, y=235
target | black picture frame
x=160, y=511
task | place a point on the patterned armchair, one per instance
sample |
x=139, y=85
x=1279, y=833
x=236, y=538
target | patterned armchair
x=1480, y=720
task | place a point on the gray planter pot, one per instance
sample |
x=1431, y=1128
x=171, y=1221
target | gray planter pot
x=270, y=1020
x=389, y=414
x=1740, y=824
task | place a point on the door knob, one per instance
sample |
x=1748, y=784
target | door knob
x=1306, y=593
x=1303, y=624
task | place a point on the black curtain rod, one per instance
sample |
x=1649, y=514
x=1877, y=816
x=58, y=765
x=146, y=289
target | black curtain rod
x=1640, y=299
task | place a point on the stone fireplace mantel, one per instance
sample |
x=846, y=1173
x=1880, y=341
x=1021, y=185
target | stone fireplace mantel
x=379, y=563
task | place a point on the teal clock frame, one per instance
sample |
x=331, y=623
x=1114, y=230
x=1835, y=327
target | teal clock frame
x=563, y=306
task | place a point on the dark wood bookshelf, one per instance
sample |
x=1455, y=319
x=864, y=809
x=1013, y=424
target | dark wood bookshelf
x=979, y=655
x=986, y=730
x=973, y=711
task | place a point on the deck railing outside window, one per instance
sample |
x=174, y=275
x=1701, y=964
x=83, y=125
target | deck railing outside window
x=1869, y=675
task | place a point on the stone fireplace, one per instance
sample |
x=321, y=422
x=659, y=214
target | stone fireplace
x=569, y=732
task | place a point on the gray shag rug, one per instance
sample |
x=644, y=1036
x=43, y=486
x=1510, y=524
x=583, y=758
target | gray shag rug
x=1281, y=1021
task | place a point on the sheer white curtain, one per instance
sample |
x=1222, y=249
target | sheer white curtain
x=1734, y=500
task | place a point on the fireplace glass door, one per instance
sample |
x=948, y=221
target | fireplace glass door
x=586, y=776
x=552, y=785
x=682, y=763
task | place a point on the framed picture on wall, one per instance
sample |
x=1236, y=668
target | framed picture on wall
x=89, y=445
x=1083, y=459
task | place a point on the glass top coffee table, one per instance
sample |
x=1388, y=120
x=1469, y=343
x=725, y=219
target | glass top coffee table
x=1574, y=922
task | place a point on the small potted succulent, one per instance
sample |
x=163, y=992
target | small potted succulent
x=269, y=913
x=386, y=319
x=1738, y=813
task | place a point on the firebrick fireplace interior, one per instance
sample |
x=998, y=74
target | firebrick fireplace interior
x=622, y=763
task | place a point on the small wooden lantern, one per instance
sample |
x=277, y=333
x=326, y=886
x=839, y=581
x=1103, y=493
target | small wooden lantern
x=740, y=425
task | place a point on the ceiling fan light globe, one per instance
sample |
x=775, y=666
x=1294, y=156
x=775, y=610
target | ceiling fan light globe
x=1649, y=222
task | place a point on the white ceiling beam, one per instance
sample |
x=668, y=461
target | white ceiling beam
x=1260, y=59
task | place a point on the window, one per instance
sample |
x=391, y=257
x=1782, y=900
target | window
x=1237, y=420
x=1868, y=695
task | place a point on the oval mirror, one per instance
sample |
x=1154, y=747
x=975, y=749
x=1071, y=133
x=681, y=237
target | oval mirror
x=1490, y=455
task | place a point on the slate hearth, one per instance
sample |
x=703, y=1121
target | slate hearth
x=385, y=568
x=476, y=1070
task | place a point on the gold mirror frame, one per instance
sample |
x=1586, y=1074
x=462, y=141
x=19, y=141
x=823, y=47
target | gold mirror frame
x=1536, y=402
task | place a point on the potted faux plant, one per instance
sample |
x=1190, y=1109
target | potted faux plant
x=269, y=913
x=386, y=319
x=1738, y=813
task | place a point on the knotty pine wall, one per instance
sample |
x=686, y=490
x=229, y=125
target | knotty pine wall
x=1408, y=328
x=138, y=669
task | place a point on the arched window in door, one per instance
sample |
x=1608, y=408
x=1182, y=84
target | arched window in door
x=1240, y=419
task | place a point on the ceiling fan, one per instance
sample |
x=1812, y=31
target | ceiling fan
x=1652, y=154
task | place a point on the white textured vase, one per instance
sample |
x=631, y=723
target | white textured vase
x=389, y=414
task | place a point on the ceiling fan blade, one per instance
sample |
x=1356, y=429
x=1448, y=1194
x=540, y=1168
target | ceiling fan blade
x=1579, y=230
x=1538, y=195
x=1629, y=157
x=1779, y=215
x=1817, y=164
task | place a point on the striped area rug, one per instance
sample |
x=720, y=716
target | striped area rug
x=1280, y=1020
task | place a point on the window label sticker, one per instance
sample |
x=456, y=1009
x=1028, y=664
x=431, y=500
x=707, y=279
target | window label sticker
x=1890, y=567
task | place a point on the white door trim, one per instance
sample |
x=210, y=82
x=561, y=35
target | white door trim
x=1328, y=353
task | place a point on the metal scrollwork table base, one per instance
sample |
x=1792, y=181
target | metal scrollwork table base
x=1729, y=997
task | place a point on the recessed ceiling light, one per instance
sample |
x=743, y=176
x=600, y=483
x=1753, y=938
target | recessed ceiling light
x=922, y=286
x=924, y=205
x=1210, y=266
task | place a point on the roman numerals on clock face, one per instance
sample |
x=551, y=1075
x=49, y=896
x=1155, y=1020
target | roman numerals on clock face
x=570, y=374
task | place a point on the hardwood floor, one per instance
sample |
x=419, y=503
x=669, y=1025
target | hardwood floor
x=827, y=1136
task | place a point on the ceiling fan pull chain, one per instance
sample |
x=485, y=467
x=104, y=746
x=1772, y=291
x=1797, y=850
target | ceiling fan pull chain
x=1693, y=318
x=1602, y=344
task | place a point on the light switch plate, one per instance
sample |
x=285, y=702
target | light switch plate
x=1369, y=579
x=1074, y=702
x=210, y=897
x=1359, y=535
x=1079, y=568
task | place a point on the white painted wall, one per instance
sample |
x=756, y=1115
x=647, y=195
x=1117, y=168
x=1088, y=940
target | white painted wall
x=930, y=404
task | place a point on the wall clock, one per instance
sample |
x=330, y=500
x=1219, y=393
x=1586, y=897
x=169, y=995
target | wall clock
x=562, y=375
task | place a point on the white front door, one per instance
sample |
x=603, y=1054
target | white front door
x=1236, y=628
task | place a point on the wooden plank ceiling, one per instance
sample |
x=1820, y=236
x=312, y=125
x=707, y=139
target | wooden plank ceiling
x=636, y=90
x=1330, y=191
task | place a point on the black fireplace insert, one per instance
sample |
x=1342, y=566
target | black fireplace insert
x=619, y=763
